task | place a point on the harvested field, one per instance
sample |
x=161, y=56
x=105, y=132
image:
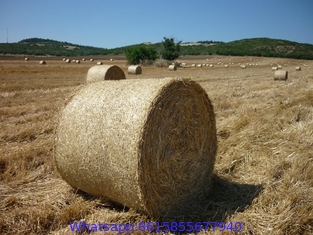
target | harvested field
x=263, y=174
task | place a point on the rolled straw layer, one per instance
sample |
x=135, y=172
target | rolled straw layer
x=147, y=144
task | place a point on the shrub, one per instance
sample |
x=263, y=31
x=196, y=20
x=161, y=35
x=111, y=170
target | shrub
x=140, y=54
x=170, y=49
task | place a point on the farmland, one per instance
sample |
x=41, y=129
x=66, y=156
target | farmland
x=263, y=175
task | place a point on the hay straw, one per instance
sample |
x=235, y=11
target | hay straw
x=134, y=69
x=147, y=144
x=172, y=67
x=105, y=72
x=281, y=75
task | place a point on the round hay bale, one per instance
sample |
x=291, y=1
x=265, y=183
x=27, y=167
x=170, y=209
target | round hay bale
x=91, y=60
x=77, y=61
x=42, y=62
x=134, y=69
x=279, y=67
x=99, y=63
x=243, y=66
x=105, y=72
x=274, y=68
x=298, y=68
x=193, y=65
x=172, y=67
x=281, y=75
x=26, y=59
x=199, y=65
x=68, y=61
x=152, y=150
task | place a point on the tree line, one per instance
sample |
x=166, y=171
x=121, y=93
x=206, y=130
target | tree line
x=167, y=49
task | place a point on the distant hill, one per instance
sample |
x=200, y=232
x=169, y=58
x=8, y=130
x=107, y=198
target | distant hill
x=265, y=47
x=255, y=47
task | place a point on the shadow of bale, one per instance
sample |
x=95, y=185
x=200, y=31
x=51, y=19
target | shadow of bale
x=224, y=198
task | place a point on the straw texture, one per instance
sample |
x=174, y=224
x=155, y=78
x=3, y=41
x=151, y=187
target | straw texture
x=147, y=144
x=134, y=69
x=281, y=75
x=105, y=72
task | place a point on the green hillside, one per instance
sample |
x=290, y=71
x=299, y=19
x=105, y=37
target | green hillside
x=255, y=47
x=246, y=47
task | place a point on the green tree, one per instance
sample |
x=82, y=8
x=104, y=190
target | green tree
x=140, y=54
x=170, y=49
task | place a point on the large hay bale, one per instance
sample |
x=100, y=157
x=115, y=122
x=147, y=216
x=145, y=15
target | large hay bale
x=105, y=72
x=281, y=75
x=147, y=144
x=134, y=69
x=172, y=67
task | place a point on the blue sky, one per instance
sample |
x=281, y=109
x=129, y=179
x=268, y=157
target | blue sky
x=116, y=23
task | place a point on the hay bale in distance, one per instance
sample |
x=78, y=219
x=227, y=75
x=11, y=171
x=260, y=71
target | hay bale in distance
x=281, y=75
x=152, y=150
x=68, y=61
x=99, y=63
x=243, y=66
x=26, y=59
x=274, y=68
x=298, y=68
x=42, y=62
x=134, y=69
x=91, y=60
x=105, y=72
x=172, y=67
x=77, y=61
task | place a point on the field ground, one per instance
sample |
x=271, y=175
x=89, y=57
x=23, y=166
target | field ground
x=263, y=174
